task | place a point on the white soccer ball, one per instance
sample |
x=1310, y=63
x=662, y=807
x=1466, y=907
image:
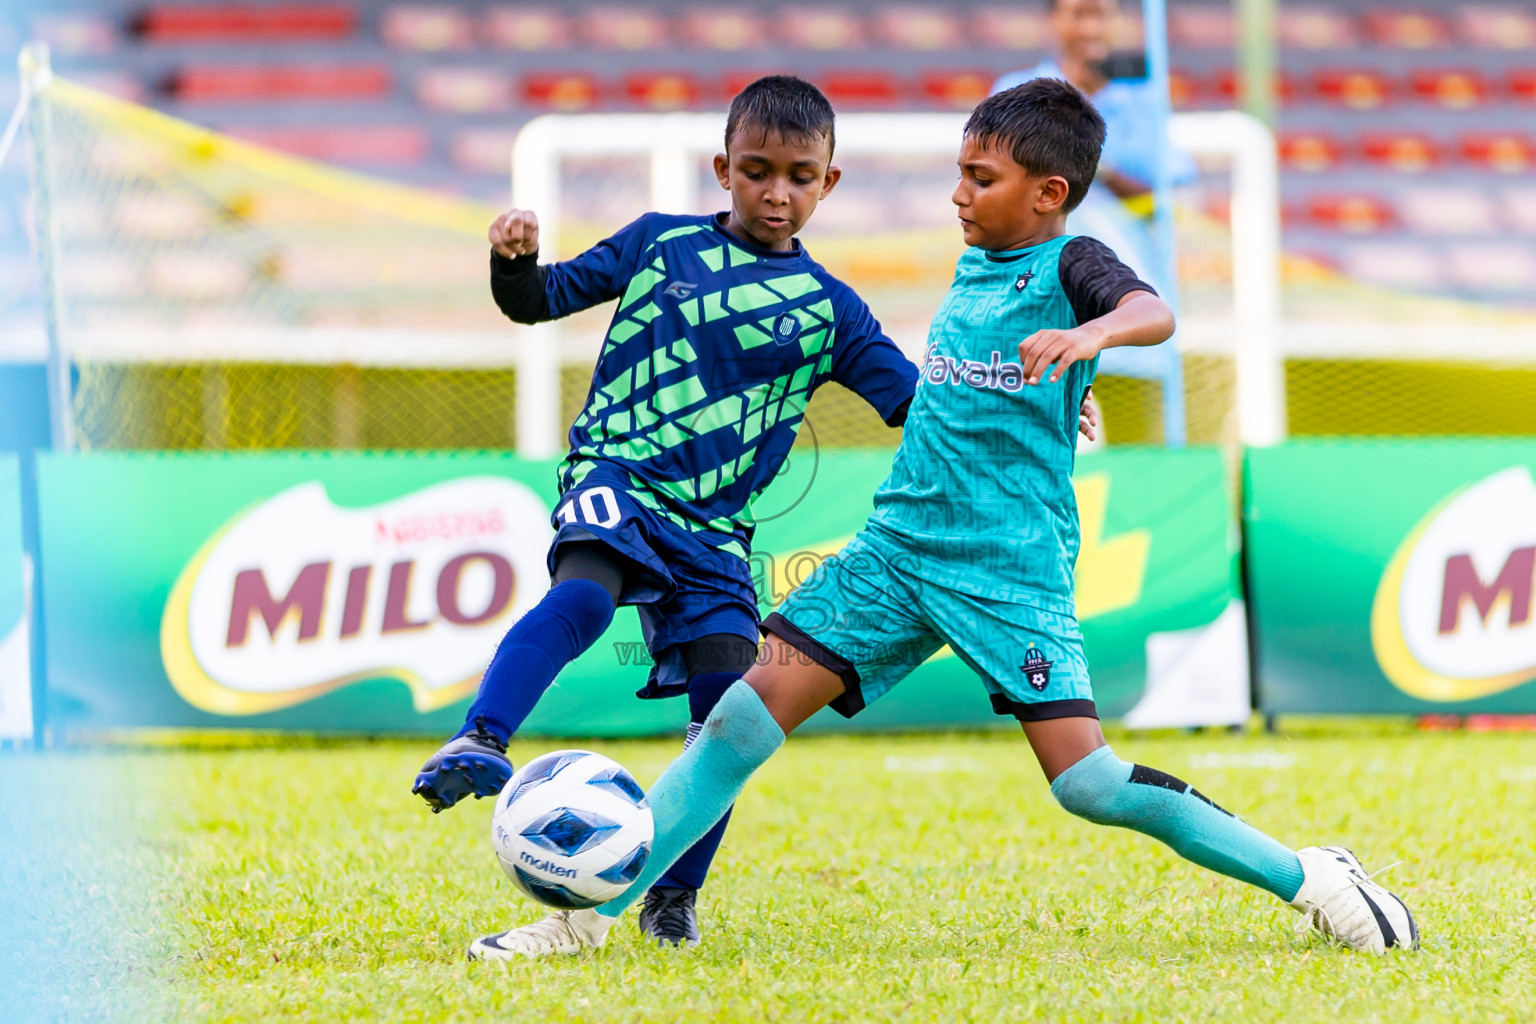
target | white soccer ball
x=572, y=829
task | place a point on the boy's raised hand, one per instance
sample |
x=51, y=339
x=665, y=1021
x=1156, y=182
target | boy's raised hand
x=515, y=233
x=1040, y=350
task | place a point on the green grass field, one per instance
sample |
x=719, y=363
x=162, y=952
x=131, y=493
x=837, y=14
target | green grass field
x=872, y=878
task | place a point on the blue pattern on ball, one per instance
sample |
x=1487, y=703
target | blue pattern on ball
x=568, y=832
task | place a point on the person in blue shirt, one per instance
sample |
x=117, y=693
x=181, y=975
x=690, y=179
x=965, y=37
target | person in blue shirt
x=972, y=543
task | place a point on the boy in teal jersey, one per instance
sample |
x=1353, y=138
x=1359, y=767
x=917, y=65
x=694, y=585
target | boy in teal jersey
x=972, y=544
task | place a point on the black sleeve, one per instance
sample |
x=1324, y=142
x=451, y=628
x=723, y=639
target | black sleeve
x=518, y=287
x=1094, y=279
x=899, y=417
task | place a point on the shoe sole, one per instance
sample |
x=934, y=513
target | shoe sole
x=461, y=775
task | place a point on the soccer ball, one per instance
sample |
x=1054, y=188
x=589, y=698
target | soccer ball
x=572, y=829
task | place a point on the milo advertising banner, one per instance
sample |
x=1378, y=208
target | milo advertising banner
x=15, y=634
x=367, y=592
x=1394, y=576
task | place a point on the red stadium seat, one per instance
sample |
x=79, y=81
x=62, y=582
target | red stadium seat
x=1226, y=86
x=1406, y=153
x=1010, y=28
x=245, y=23
x=1408, y=30
x=1185, y=90
x=398, y=145
x=712, y=28
x=622, y=28
x=1201, y=27
x=213, y=82
x=464, y=90
x=427, y=28
x=1497, y=28
x=75, y=34
x=860, y=88
x=483, y=150
x=820, y=28
x=1522, y=85
x=662, y=91
x=1310, y=151
x=918, y=28
x=1358, y=214
x=1504, y=152
x=1315, y=28
x=1362, y=89
x=569, y=91
x=961, y=90
x=1454, y=89
x=527, y=28
x=1451, y=210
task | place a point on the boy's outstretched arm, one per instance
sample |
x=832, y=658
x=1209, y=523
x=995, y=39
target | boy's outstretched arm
x=1139, y=318
x=529, y=293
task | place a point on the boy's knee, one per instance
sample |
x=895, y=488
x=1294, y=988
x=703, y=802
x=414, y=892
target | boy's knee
x=1094, y=788
x=585, y=605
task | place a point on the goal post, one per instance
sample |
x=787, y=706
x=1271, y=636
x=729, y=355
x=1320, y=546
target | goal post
x=674, y=146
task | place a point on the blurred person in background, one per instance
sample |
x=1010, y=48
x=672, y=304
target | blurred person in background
x=1118, y=208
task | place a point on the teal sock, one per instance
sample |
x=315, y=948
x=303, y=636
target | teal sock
x=1109, y=791
x=700, y=786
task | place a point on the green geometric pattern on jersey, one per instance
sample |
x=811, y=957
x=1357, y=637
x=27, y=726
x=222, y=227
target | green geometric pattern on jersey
x=657, y=409
x=980, y=495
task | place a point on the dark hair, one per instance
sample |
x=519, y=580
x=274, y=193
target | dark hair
x=789, y=107
x=1048, y=127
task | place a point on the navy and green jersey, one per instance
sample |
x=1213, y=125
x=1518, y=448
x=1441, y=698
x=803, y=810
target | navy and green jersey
x=713, y=353
x=980, y=496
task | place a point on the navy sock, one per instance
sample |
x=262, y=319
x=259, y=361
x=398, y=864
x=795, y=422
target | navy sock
x=690, y=870
x=570, y=618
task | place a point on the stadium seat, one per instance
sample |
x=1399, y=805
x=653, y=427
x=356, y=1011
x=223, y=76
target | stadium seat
x=1310, y=151
x=918, y=28
x=1185, y=90
x=483, y=150
x=464, y=90
x=213, y=82
x=1226, y=87
x=1519, y=209
x=1505, y=152
x=527, y=28
x=1522, y=85
x=1453, y=89
x=1408, y=30
x=712, y=28
x=245, y=23
x=1314, y=28
x=75, y=34
x=394, y=145
x=568, y=91
x=1201, y=27
x=1357, y=213
x=1406, y=153
x=662, y=90
x=860, y=88
x=622, y=28
x=961, y=90
x=427, y=28
x=1360, y=89
x=123, y=85
x=1505, y=267
x=732, y=82
x=820, y=28
x=1010, y=28
x=1496, y=28
x=1448, y=210
x=1392, y=264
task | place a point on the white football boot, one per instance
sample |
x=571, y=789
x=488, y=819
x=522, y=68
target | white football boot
x=1339, y=899
x=560, y=934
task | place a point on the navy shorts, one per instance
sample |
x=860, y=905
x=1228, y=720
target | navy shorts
x=682, y=588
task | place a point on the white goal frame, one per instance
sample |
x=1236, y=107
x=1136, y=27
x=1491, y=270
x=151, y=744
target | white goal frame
x=676, y=143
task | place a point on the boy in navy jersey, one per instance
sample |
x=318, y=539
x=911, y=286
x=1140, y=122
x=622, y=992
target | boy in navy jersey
x=725, y=327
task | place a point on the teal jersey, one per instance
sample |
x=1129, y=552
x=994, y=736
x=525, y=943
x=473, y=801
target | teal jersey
x=980, y=496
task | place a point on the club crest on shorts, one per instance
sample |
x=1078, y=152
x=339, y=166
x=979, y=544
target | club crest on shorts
x=1037, y=671
x=786, y=328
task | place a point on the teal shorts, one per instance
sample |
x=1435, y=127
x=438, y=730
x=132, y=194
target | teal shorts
x=872, y=624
